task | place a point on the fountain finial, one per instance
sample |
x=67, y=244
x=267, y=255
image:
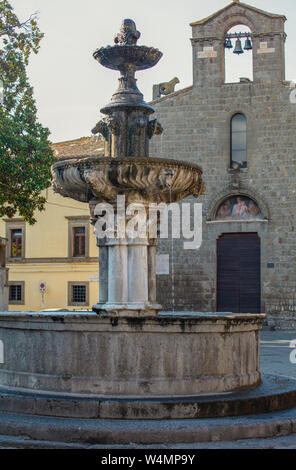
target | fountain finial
x=128, y=34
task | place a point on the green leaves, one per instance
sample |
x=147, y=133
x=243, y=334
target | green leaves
x=25, y=151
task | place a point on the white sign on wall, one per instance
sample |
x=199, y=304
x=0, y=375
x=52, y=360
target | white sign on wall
x=1, y=352
x=207, y=52
x=264, y=49
x=162, y=264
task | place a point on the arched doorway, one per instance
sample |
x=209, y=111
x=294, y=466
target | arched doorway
x=238, y=273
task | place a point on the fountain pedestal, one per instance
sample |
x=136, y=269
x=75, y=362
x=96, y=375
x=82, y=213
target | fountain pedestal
x=127, y=277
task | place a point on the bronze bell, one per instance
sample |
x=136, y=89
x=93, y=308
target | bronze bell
x=238, y=47
x=248, y=45
x=228, y=43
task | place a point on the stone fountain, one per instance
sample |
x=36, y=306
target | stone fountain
x=127, y=265
x=126, y=359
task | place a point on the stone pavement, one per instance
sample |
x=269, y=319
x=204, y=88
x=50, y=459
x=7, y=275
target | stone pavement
x=275, y=353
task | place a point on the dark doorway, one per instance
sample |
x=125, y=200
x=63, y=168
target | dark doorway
x=238, y=273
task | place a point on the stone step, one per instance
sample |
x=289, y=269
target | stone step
x=123, y=432
x=278, y=442
x=275, y=394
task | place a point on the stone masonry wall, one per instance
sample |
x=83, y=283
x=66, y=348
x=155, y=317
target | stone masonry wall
x=196, y=125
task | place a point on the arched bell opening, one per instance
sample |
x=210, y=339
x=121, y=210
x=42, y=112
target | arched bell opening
x=238, y=54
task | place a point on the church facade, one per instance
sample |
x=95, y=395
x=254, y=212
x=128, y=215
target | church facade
x=243, y=136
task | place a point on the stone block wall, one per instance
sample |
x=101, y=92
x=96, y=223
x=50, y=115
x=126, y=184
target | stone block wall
x=196, y=124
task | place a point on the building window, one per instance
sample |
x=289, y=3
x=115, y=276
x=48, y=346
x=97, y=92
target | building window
x=238, y=141
x=78, y=236
x=78, y=241
x=16, y=292
x=16, y=243
x=15, y=234
x=78, y=294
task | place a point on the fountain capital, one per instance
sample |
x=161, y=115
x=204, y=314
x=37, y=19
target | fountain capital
x=128, y=34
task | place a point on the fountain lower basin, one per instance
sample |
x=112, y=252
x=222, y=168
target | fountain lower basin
x=85, y=353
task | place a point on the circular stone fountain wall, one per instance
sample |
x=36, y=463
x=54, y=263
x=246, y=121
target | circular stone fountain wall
x=144, y=356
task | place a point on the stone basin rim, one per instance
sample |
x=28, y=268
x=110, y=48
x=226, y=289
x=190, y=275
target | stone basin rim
x=165, y=162
x=15, y=315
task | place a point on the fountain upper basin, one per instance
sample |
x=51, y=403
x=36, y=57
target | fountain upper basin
x=139, y=179
x=117, y=57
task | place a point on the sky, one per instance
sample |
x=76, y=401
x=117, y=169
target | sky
x=70, y=87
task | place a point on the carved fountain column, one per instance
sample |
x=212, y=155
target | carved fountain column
x=127, y=269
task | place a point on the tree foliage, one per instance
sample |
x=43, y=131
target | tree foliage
x=25, y=151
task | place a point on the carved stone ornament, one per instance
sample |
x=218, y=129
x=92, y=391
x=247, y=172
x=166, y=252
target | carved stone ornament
x=164, y=88
x=114, y=125
x=128, y=33
x=101, y=128
x=154, y=128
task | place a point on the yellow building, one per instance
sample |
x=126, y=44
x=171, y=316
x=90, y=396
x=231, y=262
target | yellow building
x=57, y=255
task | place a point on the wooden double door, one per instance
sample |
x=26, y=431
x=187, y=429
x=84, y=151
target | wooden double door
x=238, y=273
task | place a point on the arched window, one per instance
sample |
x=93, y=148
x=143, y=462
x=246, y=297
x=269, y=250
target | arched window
x=238, y=141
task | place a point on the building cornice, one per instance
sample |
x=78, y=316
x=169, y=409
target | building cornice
x=77, y=217
x=72, y=260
